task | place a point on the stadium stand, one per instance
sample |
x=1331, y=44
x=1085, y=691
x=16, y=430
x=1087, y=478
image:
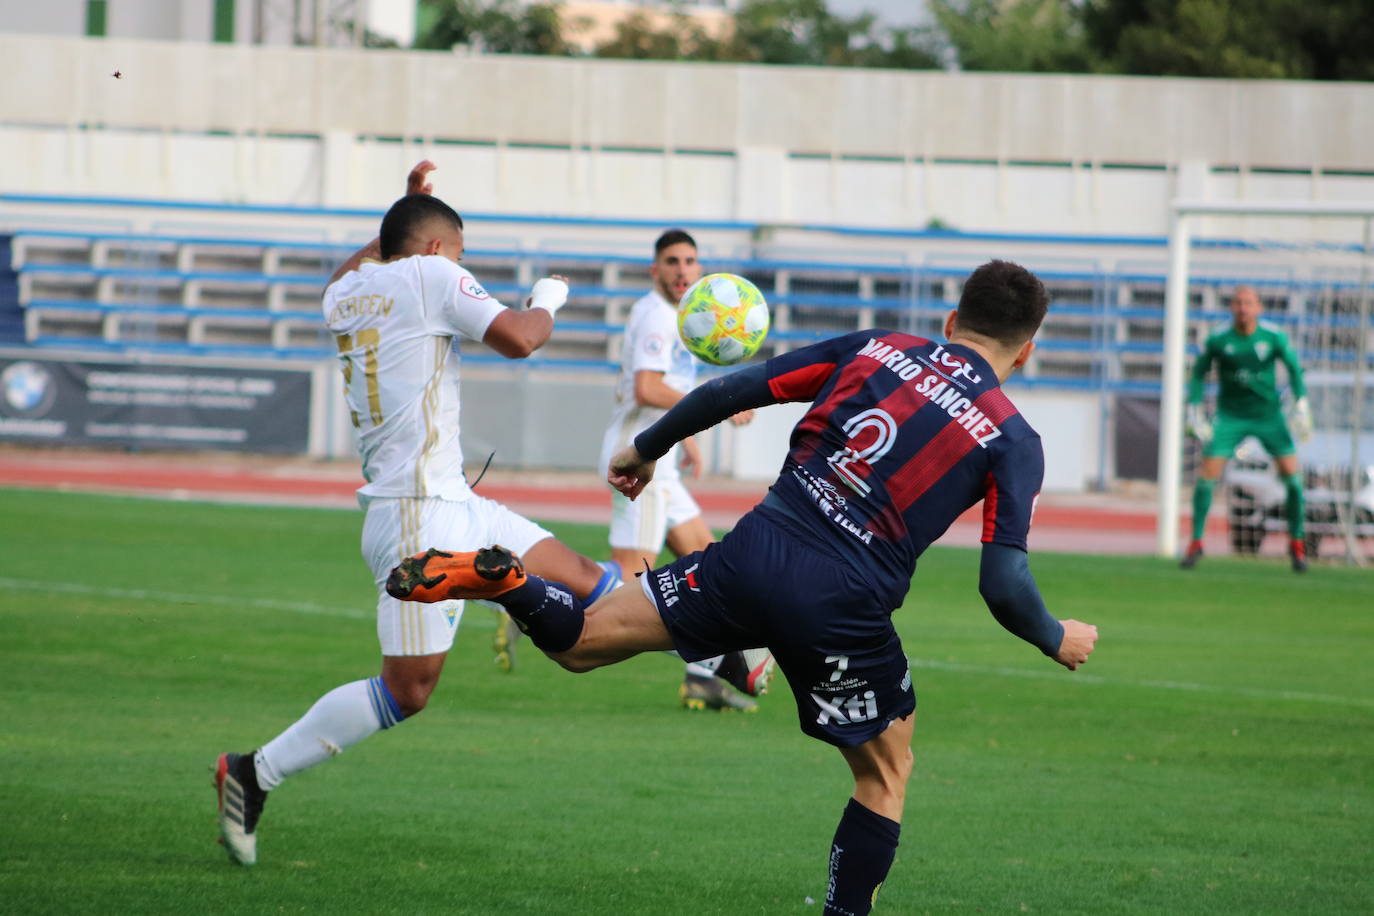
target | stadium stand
x=247, y=294
x=11, y=312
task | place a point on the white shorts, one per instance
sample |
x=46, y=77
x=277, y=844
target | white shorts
x=644, y=523
x=397, y=528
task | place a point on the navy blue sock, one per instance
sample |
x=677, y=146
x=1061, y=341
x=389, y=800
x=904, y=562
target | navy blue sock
x=865, y=845
x=548, y=612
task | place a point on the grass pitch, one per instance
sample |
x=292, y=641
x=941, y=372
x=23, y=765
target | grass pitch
x=1215, y=756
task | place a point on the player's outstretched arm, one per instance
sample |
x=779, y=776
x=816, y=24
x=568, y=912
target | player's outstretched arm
x=417, y=182
x=1006, y=584
x=705, y=406
x=516, y=333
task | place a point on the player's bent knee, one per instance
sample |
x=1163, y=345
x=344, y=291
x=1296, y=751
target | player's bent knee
x=577, y=661
x=410, y=690
x=412, y=698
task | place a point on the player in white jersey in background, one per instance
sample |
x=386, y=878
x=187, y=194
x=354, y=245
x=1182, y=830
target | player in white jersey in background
x=397, y=309
x=657, y=371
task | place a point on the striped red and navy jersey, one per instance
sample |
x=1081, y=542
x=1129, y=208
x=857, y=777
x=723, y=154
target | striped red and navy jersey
x=903, y=436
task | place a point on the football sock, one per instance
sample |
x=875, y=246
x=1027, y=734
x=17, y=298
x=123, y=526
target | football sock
x=338, y=720
x=1202, y=504
x=609, y=582
x=547, y=612
x=706, y=667
x=860, y=856
x=1293, y=506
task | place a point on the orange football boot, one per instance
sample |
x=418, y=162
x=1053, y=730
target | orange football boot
x=438, y=575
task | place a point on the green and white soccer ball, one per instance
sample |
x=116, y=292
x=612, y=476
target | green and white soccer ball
x=722, y=319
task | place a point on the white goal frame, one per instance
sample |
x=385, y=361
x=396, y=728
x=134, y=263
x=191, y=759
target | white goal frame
x=1181, y=215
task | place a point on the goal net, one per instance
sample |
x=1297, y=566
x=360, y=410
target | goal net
x=1312, y=266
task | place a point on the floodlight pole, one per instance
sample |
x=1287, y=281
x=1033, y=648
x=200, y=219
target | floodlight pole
x=1171, y=405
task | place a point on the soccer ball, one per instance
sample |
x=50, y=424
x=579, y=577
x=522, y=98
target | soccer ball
x=722, y=319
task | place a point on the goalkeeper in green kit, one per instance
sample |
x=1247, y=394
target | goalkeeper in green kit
x=1248, y=405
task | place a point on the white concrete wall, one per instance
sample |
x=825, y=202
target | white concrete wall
x=618, y=138
x=51, y=17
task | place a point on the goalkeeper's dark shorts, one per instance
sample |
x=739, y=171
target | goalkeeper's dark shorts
x=1228, y=431
x=833, y=639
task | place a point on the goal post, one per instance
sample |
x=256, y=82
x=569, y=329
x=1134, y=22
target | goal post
x=1334, y=268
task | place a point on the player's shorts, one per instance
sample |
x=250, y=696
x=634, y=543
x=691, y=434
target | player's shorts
x=762, y=586
x=643, y=524
x=397, y=528
x=1229, y=431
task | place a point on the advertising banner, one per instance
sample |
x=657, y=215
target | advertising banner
x=148, y=406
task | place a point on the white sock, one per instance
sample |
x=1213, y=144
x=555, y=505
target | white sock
x=706, y=667
x=338, y=720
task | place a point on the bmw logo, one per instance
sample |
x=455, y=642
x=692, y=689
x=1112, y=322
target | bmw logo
x=29, y=389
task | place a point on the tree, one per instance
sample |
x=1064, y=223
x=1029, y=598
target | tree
x=498, y=26
x=681, y=39
x=1042, y=36
x=1295, y=39
x=802, y=32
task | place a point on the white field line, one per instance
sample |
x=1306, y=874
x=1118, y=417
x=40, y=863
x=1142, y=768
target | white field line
x=324, y=610
x=1080, y=677
x=140, y=594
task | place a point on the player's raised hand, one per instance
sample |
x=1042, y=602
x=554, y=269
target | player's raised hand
x=415, y=181
x=743, y=418
x=1079, y=639
x=629, y=472
x=548, y=293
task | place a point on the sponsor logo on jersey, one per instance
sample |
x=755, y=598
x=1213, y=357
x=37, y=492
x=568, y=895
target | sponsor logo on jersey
x=470, y=287
x=860, y=707
x=958, y=365
x=943, y=389
x=668, y=584
x=820, y=496
x=653, y=344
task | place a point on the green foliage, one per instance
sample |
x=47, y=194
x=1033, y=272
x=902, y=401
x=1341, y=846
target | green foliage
x=1213, y=757
x=1300, y=39
x=1294, y=39
x=636, y=38
x=496, y=26
x=1015, y=35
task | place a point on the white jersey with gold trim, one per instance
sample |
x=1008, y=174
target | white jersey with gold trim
x=397, y=325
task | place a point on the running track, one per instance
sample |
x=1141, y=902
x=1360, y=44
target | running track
x=1083, y=523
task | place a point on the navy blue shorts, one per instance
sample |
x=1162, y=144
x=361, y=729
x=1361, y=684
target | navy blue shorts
x=832, y=638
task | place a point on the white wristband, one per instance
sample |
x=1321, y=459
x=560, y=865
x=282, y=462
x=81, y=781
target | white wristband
x=548, y=294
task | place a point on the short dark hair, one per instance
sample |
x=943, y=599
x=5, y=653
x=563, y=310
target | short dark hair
x=1003, y=301
x=408, y=215
x=672, y=237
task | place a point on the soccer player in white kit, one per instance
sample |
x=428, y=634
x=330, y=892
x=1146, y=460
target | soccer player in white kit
x=397, y=309
x=657, y=371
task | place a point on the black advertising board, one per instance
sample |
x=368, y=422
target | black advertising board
x=153, y=406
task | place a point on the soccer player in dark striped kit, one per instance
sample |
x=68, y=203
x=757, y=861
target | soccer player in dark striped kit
x=903, y=435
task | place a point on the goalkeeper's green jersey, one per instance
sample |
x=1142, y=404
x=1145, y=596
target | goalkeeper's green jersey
x=1245, y=369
